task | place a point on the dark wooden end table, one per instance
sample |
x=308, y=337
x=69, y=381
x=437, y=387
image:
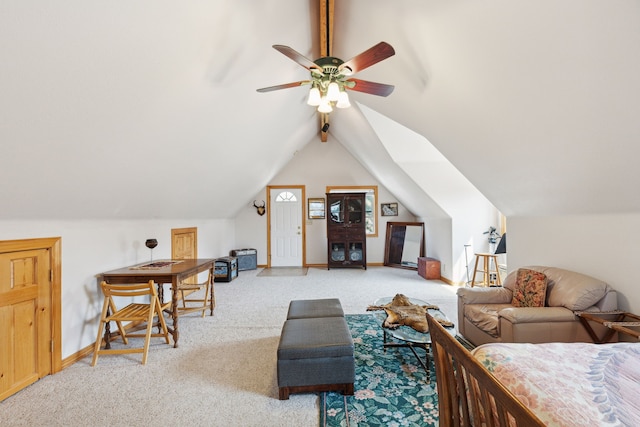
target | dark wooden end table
x=616, y=321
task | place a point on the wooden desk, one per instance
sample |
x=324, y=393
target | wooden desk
x=616, y=321
x=173, y=273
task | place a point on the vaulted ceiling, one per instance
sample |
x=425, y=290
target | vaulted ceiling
x=110, y=110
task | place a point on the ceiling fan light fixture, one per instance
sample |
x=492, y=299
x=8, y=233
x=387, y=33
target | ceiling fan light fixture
x=325, y=105
x=333, y=91
x=343, y=100
x=314, y=97
x=330, y=79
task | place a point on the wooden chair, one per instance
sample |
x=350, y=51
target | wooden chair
x=203, y=303
x=135, y=313
x=468, y=394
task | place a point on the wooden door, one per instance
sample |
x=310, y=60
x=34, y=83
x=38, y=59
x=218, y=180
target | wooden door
x=25, y=319
x=184, y=243
x=285, y=216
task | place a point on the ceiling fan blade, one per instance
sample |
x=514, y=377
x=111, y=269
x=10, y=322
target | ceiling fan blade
x=373, y=55
x=297, y=57
x=284, y=86
x=372, y=88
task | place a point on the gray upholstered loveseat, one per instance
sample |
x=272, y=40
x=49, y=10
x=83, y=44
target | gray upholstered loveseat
x=487, y=315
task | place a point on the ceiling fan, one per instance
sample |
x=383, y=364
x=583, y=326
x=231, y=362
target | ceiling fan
x=330, y=77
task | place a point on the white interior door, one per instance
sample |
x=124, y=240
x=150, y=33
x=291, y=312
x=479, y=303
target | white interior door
x=286, y=227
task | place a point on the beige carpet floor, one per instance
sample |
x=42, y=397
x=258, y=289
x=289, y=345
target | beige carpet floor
x=224, y=371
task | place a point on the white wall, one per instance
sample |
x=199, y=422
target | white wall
x=447, y=237
x=603, y=246
x=438, y=242
x=317, y=166
x=251, y=228
x=456, y=213
x=92, y=247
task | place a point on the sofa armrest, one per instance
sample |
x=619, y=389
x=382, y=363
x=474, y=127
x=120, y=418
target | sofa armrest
x=497, y=295
x=608, y=303
x=537, y=314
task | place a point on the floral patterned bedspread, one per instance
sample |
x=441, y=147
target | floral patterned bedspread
x=571, y=384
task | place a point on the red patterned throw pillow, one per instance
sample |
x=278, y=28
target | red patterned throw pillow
x=530, y=289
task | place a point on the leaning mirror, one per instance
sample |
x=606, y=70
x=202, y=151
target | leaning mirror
x=404, y=244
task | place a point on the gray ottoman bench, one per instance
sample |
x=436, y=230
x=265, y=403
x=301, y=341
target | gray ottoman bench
x=315, y=353
x=309, y=308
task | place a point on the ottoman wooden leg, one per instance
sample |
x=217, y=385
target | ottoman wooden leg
x=283, y=393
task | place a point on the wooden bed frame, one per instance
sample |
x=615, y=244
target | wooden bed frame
x=466, y=388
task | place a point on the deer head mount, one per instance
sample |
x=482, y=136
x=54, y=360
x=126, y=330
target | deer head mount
x=261, y=209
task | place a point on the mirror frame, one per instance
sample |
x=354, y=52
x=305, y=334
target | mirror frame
x=387, y=244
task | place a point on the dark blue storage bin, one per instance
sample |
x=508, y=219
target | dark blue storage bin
x=225, y=269
x=247, y=258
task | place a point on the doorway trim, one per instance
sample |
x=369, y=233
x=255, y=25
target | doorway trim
x=302, y=220
x=53, y=245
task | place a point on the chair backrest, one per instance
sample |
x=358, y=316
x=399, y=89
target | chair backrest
x=468, y=394
x=132, y=290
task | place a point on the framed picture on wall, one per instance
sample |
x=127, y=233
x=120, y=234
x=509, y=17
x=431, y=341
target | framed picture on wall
x=316, y=208
x=389, y=209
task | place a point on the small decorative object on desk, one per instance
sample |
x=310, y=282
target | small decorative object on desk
x=151, y=243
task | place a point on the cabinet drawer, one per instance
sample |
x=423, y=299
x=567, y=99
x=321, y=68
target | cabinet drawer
x=353, y=237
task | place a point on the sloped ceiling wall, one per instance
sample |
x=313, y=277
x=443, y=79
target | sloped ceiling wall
x=118, y=110
x=532, y=101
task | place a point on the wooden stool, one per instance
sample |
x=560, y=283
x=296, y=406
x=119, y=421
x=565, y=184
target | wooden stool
x=487, y=271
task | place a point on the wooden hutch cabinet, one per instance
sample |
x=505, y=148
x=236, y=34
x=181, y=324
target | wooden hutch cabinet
x=346, y=230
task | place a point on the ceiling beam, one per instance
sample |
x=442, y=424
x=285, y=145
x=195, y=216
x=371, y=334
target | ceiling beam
x=326, y=27
x=326, y=47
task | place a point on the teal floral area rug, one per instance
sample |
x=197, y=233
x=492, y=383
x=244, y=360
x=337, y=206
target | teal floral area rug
x=390, y=387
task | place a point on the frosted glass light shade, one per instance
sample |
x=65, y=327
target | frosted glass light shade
x=333, y=91
x=325, y=106
x=314, y=97
x=343, y=100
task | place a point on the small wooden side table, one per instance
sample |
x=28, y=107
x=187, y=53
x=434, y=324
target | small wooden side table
x=429, y=268
x=616, y=321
